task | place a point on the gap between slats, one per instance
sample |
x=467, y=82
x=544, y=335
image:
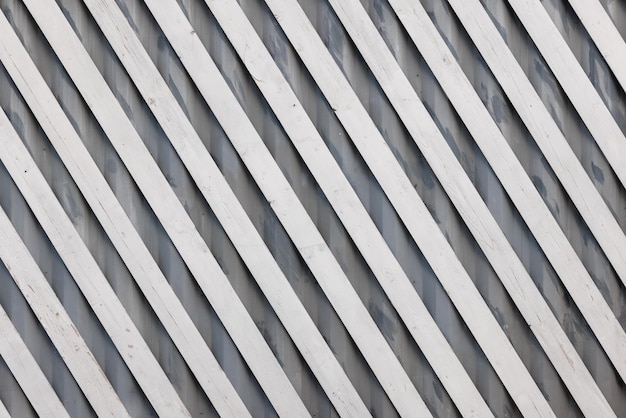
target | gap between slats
x=383, y=65
x=479, y=220
x=229, y=211
x=168, y=209
x=119, y=228
x=569, y=171
x=576, y=84
x=93, y=283
x=16, y=355
x=604, y=34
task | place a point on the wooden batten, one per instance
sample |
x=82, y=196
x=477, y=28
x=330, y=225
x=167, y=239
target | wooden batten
x=294, y=331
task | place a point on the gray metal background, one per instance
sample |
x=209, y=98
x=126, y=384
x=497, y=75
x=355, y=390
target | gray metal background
x=322, y=214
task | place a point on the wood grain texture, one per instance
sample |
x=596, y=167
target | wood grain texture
x=90, y=278
x=575, y=82
x=604, y=34
x=517, y=183
x=119, y=228
x=19, y=359
x=574, y=179
x=168, y=209
x=312, y=208
x=225, y=205
x=477, y=217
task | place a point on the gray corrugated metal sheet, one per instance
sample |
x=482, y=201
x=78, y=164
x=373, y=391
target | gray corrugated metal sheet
x=304, y=184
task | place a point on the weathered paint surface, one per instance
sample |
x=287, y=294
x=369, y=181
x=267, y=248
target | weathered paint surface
x=325, y=208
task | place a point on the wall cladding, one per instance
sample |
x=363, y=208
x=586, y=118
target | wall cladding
x=328, y=250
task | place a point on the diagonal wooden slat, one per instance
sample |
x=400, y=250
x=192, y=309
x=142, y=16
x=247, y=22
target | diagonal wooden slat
x=37, y=291
x=413, y=212
x=91, y=280
x=544, y=227
x=604, y=34
x=167, y=208
x=394, y=182
x=566, y=166
x=292, y=215
x=477, y=217
x=230, y=213
x=118, y=226
x=479, y=220
x=275, y=90
x=21, y=362
x=285, y=203
x=324, y=169
x=575, y=82
x=546, y=133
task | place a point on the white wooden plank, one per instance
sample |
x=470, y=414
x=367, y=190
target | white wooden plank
x=284, y=103
x=168, y=209
x=582, y=191
x=23, y=366
x=575, y=82
x=42, y=299
x=510, y=172
x=569, y=171
x=236, y=223
x=431, y=241
x=118, y=226
x=466, y=199
x=327, y=173
x=229, y=211
x=284, y=201
x=604, y=34
x=476, y=215
x=94, y=286
x=91, y=281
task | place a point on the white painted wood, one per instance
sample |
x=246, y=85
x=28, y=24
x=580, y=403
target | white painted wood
x=283, y=200
x=118, y=227
x=241, y=230
x=285, y=117
x=41, y=297
x=21, y=363
x=571, y=174
x=426, y=234
x=604, y=34
x=94, y=286
x=284, y=103
x=466, y=199
x=229, y=211
x=582, y=191
x=92, y=282
x=510, y=172
x=168, y=209
x=477, y=217
x=292, y=215
x=575, y=82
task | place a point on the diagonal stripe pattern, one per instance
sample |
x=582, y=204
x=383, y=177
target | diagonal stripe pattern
x=312, y=208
